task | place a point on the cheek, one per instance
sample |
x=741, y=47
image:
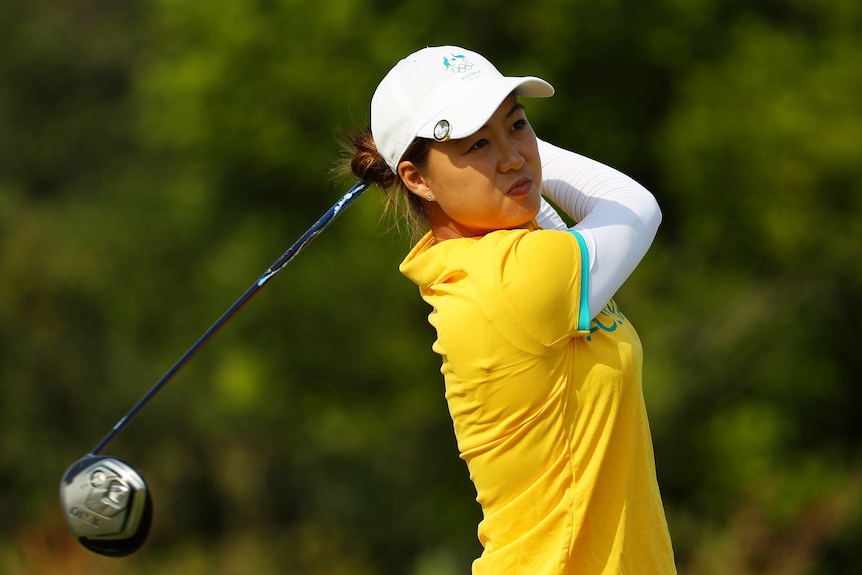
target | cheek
x=462, y=199
x=533, y=159
x=461, y=186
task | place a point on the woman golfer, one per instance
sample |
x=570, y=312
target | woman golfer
x=542, y=369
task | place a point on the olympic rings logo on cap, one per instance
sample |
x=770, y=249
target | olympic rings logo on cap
x=458, y=64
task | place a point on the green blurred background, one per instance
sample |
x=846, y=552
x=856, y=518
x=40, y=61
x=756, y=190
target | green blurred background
x=157, y=155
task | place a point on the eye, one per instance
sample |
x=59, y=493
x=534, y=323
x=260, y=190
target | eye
x=478, y=144
x=520, y=124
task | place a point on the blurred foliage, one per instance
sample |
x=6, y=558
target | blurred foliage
x=157, y=155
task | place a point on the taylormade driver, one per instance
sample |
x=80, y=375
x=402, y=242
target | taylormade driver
x=106, y=501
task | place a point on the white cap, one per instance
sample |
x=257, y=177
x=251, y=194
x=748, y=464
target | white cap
x=441, y=93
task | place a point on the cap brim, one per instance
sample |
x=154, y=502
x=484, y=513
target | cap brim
x=467, y=115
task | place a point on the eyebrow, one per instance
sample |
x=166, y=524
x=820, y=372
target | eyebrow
x=515, y=108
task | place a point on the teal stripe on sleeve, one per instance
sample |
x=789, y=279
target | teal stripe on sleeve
x=584, y=315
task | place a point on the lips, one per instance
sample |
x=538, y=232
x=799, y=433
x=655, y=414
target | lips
x=522, y=187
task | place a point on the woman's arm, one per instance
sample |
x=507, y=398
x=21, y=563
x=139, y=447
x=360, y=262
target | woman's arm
x=617, y=217
x=548, y=218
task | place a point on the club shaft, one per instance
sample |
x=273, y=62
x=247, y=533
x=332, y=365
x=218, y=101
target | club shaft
x=276, y=267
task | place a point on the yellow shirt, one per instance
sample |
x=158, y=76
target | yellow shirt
x=547, y=408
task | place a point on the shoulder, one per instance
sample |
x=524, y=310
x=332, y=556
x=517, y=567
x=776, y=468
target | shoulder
x=537, y=276
x=525, y=250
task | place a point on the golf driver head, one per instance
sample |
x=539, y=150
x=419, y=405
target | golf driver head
x=107, y=505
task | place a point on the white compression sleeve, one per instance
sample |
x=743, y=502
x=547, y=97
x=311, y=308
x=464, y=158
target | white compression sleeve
x=617, y=217
x=548, y=218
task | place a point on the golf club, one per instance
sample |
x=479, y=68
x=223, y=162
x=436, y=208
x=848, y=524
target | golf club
x=106, y=501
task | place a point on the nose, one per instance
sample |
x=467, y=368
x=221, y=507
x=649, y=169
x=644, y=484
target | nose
x=511, y=157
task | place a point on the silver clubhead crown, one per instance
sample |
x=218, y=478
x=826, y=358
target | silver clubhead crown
x=107, y=505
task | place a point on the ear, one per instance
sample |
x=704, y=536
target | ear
x=414, y=180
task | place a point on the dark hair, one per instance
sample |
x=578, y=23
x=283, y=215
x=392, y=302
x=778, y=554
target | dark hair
x=366, y=163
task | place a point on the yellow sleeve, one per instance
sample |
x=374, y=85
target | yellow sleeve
x=542, y=280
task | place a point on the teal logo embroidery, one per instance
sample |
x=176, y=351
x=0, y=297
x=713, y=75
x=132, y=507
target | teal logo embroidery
x=608, y=319
x=457, y=63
